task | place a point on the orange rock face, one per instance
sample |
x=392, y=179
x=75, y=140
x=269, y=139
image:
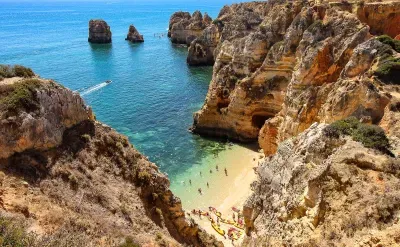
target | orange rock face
x=297, y=63
x=383, y=18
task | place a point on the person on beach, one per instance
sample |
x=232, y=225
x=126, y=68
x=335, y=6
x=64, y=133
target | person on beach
x=226, y=172
x=216, y=167
x=200, y=192
x=233, y=216
x=208, y=186
x=210, y=171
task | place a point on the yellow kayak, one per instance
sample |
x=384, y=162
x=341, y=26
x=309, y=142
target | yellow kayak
x=230, y=222
x=234, y=236
x=238, y=226
x=218, y=229
x=214, y=210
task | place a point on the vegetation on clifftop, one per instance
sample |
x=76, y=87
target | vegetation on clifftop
x=7, y=71
x=20, y=96
x=371, y=136
x=388, y=70
x=395, y=44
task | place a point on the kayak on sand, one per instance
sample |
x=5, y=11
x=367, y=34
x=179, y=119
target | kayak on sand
x=218, y=229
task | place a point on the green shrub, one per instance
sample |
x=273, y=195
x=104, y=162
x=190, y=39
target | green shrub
x=342, y=127
x=14, y=234
x=7, y=71
x=144, y=177
x=159, y=236
x=389, y=70
x=371, y=136
x=219, y=23
x=395, y=44
x=86, y=137
x=315, y=26
x=22, y=71
x=129, y=242
x=159, y=212
x=21, y=96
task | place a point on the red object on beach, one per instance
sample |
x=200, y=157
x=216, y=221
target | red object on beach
x=236, y=209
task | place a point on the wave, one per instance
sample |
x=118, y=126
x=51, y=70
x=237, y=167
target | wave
x=93, y=89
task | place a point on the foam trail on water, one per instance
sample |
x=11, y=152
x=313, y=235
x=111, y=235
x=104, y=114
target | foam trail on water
x=94, y=88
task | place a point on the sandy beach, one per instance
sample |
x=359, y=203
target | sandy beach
x=224, y=192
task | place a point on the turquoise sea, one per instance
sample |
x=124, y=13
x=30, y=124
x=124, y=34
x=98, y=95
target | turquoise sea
x=153, y=94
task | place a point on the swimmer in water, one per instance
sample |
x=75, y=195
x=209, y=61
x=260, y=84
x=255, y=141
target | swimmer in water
x=208, y=186
x=216, y=167
x=210, y=171
x=190, y=181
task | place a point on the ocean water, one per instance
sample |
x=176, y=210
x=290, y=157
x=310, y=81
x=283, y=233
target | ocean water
x=153, y=94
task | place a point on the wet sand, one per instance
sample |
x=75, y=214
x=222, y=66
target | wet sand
x=224, y=192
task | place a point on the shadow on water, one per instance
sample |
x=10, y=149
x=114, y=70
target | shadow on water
x=102, y=57
x=204, y=72
x=180, y=48
x=101, y=48
x=217, y=144
x=134, y=46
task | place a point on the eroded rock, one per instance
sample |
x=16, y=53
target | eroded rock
x=281, y=66
x=184, y=28
x=134, y=36
x=99, y=32
x=321, y=191
x=39, y=120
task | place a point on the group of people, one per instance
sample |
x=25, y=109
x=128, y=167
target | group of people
x=208, y=185
x=232, y=230
x=160, y=35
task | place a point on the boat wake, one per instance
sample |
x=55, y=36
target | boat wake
x=94, y=88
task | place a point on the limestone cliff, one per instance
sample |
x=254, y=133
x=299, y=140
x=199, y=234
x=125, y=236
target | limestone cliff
x=74, y=180
x=290, y=64
x=234, y=21
x=320, y=190
x=184, y=28
x=134, y=36
x=99, y=32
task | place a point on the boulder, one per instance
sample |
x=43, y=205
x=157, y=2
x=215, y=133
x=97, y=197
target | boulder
x=134, y=36
x=99, y=32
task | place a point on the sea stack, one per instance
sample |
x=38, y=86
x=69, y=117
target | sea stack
x=184, y=28
x=99, y=32
x=134, y=35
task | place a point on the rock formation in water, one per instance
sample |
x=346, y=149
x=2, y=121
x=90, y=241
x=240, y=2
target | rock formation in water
x=325, y=190
x=184, y=28
x=234, y=21
x=99, y=32
x=281, y=66
x=134, y=35
x=71, y=179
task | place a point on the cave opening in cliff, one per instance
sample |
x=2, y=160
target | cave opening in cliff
x=258, y=119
